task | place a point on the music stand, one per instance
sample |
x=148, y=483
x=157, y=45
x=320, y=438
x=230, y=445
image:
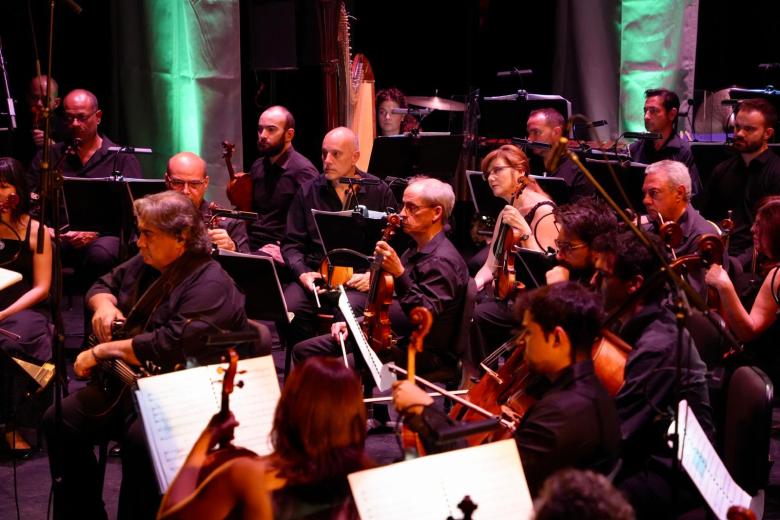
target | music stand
x=630, y=175
x=140, y=188
x=555, y=187
x=485, y=203
x=507, y=117
x=436, y=156
x=349, y=237
x=531, y=267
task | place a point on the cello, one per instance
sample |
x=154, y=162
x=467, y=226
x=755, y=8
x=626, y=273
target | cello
x=376, y=319
x=422, y=319
x=239, y=189
x=504, y=250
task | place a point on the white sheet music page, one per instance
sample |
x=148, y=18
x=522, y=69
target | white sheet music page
x=175, y=407
x=704, y=466
x=8, y=278
x=431, y=487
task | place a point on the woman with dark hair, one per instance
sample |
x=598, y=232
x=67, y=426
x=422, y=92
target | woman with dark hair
x=389, y=123
x=318, y=436
x=531, y=212
x=747, y=326
x=22, y=304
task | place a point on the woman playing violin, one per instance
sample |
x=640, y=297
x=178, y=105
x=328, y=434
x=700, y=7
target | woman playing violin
x=529, y=211
x=22, y=305
x=318, y=436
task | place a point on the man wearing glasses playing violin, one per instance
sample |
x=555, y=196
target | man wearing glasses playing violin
x=186, y=173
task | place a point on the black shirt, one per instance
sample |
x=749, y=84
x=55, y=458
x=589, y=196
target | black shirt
x=674, y=149
x=235, y=228
x=100, y=165
x=207, y=293
x=273, y=187
x=301, y=246
x=579, y=186
x=734, y=185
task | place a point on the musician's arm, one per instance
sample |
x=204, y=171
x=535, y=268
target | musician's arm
x=87, y=359
x=296, y=237
x=484, y=276
x=41, y=281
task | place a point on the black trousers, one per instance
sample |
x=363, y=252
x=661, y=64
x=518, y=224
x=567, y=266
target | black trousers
x=492, y=325
x=91, y=416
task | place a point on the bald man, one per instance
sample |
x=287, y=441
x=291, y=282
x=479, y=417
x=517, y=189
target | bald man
x=186, y=173
x=301, y=247
x=277, y=175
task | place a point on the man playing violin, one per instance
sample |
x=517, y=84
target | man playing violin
x=429, y=274
x=302, y=248
x=186, y=173
x=623, y=266
x=171, y=294
x=573, y=422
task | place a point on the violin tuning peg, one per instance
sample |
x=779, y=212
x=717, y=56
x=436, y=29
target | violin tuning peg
x=240, y=384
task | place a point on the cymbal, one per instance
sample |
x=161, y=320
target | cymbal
x=436, y=103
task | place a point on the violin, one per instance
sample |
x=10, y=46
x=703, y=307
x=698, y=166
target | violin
x=376, y=318
x=710, y=251
x=504, y=250
x=422, y=319
x=239, y=189
x=505, y=392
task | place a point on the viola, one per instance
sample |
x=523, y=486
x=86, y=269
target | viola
x=504, y=250
x=422, y=319
x=376, y=317
x=239, y=189
x=505, y=392
x=710, y=251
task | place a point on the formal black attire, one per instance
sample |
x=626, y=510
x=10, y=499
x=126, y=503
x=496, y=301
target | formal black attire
x=674, y=149
x=204, y=300
x=578, y=184
x=573, y=424
x=22, y=145
x=236, y=228
x=647, y=394
x=274, y=184
x=434, y=277
x=739, y=187
x=303, y=251
x=33, y=325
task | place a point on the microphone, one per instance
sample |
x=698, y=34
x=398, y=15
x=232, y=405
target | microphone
x=730, y=102
x=525, y=143
x=412, y=111
x=359, y=181
x=396, y=180
x=642, y=135
x=233, y=213
x=514, y=72
x=227, y=337
x=592, y=124
x=129, y=149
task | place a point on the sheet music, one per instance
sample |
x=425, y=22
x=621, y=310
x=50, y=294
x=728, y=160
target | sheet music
x=431, y=487
x=175, y=407
x=8, y=278
x=705, y=468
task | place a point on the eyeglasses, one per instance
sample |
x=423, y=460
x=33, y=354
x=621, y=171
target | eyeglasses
x=565, y=246
x=79, y=117
x=494, y=170
x=654, y=193
x=413, y=208
x=178, y=184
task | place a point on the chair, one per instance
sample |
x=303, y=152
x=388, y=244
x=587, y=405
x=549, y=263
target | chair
x=747, y=428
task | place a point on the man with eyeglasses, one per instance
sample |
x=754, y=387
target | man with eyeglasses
x=277, y=175
x=85, y=154
x=186, y=173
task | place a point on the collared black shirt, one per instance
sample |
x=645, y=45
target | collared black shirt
x=235, y=228
x=434, y=277
x=579, y=186
x=739, y=187
x=273, y=187
x=301, y=246
x=207, y=293
x=674, y=149
x=649, y=387
x=100, y=165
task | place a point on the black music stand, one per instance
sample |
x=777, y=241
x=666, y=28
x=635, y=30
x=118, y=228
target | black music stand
x=505, y=118
x=436, y=156
x=485, y=203
x=349, y=237
x=140, y=188
x=531, y=267
x=630, y=175
x=555, y=187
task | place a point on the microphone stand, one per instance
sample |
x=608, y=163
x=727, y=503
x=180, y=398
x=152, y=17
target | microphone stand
x=684, y=293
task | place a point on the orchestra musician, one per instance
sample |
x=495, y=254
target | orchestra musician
x=85, y=154
x=623, y=265
x=388, y=122
x=277, y=175
x=667, y=196
x=171, y=294
x=546, y=126
x=661, y=110
x=573, y=422
x=29, y=136
x=302, y=248
x=186, y=173
x=740, y=182
x=318, y=437
x=23, y=305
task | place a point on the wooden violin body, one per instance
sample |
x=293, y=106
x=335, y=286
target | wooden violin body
x=239, y=189
x=376, y=317
x=504, y=250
